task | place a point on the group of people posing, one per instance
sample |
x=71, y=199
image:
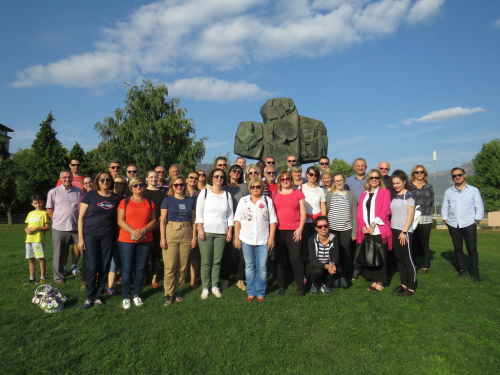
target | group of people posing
x=250, y=221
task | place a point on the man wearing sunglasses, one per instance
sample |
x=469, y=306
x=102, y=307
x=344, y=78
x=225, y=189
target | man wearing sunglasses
x=270, y=184
x=75, y=166
x=132, y=171
x=384, y=168
x=462, y=210
x=162, y=182
x=324, y=164
x=114, y=168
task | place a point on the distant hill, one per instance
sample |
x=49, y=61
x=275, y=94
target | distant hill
x=204, y=167
x=444, y=181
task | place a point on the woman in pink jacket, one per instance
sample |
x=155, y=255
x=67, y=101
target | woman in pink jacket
x=373, y=220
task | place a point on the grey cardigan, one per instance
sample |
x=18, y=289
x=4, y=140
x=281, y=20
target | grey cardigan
x=353, y=202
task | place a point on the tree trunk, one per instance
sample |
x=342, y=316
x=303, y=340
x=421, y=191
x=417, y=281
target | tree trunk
x=9, y=215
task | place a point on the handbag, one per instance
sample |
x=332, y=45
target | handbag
x=417, y=217
x=369, y=253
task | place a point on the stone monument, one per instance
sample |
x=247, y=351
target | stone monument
x=283, y=132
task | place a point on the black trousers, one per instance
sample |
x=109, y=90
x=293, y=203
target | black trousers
x=469, y=234
x=226, y=266
x=406, y=266
x=420, y=243
x=345, y=262
x=285, y=244
x=319, y=275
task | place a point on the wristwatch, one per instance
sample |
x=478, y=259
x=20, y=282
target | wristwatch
x=405, y=233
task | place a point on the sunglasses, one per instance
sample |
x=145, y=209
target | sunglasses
x=252, y=173
x=221, y=165
x=313, y=174
x=291, y=161
x=256, y=187
x=323, y=163
x=221, y=176
x=160, y=172
x=236, y=171
x=383, y=169
x=193, y=178
x=270, y=162
x=115, y=167
x=202, y=175
x=140, y=184
x=457, y=175
x=374, y=178
x=338, y=181
x=119, y=183
x=287, y=179
x=75, y=165
x=179, y=185
x=271, y=173
x=419, y=172
x=326, y=226
x=131, y=172
x=101, y=180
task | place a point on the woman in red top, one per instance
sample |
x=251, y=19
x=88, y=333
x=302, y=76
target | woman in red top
x=136, y=218
x=291, y=212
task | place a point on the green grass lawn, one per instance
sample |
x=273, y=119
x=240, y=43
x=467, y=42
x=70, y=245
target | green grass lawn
x=450, y=326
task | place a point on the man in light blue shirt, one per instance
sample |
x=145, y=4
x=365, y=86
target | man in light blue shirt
x=462, y=210
x=355, y=182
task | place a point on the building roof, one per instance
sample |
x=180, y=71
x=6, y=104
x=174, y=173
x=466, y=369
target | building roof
x=5, y=128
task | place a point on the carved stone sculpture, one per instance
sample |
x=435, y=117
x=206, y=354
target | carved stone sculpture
x=283, y=132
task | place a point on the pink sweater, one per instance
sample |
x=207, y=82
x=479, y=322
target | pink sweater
x=382, y=211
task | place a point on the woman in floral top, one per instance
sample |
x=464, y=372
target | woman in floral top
x=424, y=195
x=255, y=224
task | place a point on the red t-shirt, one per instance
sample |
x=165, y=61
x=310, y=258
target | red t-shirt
x=271, y=189
x=137, y=215
x=288, y=209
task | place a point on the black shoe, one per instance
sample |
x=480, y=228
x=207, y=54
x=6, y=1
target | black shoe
x=476, y=279
x=281, y=292
x=168, y=301
x=355, y=275
x=30, y=281
x=462, y=274
x=314, y=290
x=301, y=293
x=87, y=304
x=398, y=289
x=406, y=293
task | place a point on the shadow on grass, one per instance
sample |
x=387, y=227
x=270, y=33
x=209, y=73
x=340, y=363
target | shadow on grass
x=449, y=255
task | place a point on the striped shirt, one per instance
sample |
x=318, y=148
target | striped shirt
x=323, y=251
x=339, y=215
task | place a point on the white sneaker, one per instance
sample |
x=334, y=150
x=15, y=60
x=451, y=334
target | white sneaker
x=322, y=288
x=138, y=301
x=216, y=292
x=343, y=282
x=126, y=304
x=204, y=293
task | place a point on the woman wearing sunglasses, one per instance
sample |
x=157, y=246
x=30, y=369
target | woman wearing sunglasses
x=97, y=235
x=255, y=225
x=136, y=218
x=290, y=209
x=238, y=189
x=178, y=237
x=202, y=179
x=323, y=256
x=252, y=171
x=155, y=195
x=341, y=208
x=214, y=218
x=424, y=194
x=373, y=220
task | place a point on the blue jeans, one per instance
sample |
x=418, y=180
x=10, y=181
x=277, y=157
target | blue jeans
x=255, y=268
x=97, y=259
x=134, y=258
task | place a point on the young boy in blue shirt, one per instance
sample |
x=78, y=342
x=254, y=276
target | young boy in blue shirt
x=38, y=224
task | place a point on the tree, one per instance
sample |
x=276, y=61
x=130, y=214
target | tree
x=50, y=157
x=486, y=166
x=150, y=131
x=8, y=194
x=340, y=165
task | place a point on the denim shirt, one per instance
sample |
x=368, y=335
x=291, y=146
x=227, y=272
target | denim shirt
x=356, y=186
x=462, y=207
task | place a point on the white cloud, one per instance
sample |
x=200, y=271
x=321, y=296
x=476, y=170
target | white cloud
x=445, y=114
x=214, y=144
x=497, y=23
x=424, y=9
x=213, y=89
x=178, y=36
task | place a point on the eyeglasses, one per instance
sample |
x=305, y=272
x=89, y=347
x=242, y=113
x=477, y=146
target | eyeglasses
x=132, y=171
x=101, y=180
x=252, y=173
x=291, y=161
x=419, y=172
x=287, y=179
x=140, y=184
x=457, y=175
x=193, y=178
x=221, y=165
x=160, y=172
x=115, y=167
x=270, y=162
x=338, y=181
x=323, y=163
x=312, y=174
x=75, y=165
x=256, y=187
x=374, y=178
x=271, y=173
x=235, y=170
x=326, y=226
x=119, y=183
x=179, y=185
x=221, y=176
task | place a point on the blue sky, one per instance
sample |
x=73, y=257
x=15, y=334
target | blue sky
x=391, y=79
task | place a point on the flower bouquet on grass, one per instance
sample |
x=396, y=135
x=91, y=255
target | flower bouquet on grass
x=49, y=299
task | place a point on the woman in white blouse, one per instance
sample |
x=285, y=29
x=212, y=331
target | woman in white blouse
x=214, y=217
x=255, y=224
